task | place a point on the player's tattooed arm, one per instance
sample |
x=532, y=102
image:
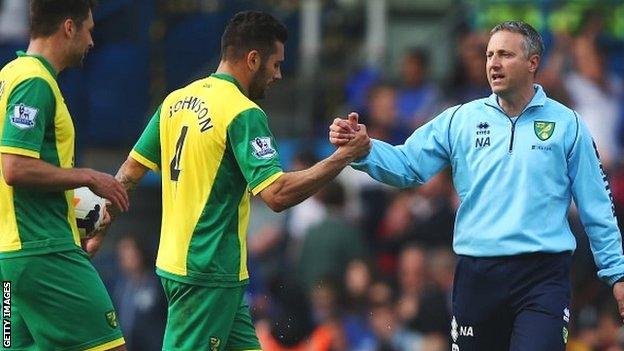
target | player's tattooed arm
x=126, y=181
x=129, y=175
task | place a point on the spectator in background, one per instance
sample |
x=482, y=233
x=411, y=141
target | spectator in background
x=380, y=292
x=556, y=62
x=411, y=278
x=275, y=239
x=391, y=335
x=442, y=270
x=598, y=329
x=358, y=86
x=306, y=214
x=391, y=232
x=14, y=21
x=421, y=306
x=425, y=215
x=594, y=92
x=266, y=244
x=288, y=325
x=358, y=279
x=382, y=116
x=139, y=297
x=326, y=310
x=433, y=212
x=331, y=244
x=13, y=28
x=470, y=82
x=584, y=331
x=417, y=97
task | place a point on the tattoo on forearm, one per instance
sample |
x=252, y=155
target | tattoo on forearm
x=128, y=183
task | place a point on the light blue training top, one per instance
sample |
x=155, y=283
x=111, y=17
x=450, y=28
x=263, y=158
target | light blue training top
x=515, y=179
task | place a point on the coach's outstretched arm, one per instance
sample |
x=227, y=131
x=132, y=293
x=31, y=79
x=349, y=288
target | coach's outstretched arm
x=293, y=187
x=426, y=152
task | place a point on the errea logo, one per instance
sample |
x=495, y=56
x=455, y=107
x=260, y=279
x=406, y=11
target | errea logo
x=483, y=138
x=454, y=332
x=458, y=330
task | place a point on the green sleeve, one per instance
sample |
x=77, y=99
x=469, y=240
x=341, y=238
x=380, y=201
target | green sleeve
x=30, y=109
x=254, y=147
x=148, y=146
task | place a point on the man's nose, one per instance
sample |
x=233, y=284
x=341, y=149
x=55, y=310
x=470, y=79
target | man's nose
x=495, y=61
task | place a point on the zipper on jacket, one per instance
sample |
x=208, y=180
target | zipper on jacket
x=513, y=123
x=513, y=128
x=513, y=132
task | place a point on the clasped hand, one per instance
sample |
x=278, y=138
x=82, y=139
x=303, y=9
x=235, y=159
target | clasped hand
x=351, y=136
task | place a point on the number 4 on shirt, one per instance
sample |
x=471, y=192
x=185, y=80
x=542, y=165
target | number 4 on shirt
x=175, y=163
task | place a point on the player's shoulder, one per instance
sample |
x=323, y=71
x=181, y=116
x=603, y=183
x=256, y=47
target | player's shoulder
x=24, y=69
x=229, y=96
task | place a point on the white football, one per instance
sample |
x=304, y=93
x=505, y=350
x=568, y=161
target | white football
x=89, y=210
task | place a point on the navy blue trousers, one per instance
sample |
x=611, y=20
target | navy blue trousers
x=515, y=303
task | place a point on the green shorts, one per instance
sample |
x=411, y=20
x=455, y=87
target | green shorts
x=207, y=319
x=57, y=302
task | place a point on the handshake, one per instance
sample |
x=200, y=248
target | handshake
x=350, y=137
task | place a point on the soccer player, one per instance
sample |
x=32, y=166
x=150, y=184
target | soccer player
x=518, y=158
x=214, y=148
x=58, y=301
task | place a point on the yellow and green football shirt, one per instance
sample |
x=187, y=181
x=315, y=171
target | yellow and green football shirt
x=214, y=147
x=36, y=123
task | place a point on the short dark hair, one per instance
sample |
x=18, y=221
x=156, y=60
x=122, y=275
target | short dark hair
x=251, y=30
x=47, y=15
x=533, y=43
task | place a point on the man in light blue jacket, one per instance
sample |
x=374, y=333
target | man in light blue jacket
x=518, y=158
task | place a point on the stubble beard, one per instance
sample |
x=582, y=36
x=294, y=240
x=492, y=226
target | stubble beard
x=258, y=85
x=77, y=60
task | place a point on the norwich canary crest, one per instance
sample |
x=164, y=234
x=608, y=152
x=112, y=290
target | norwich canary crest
x=214, y=344
x=543, y=130
x=111, y=318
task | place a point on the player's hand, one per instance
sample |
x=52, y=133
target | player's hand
x=92, y=245
x=106, y=186
x=357, y=147
x=343, y=130
x=618, y=293
x=106, y=220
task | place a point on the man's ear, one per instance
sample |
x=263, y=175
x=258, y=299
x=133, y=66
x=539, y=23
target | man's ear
x=534, y=62
x=68, y=27
x=253, y=60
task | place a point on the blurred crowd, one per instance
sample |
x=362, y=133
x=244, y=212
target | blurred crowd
x=360, y=266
